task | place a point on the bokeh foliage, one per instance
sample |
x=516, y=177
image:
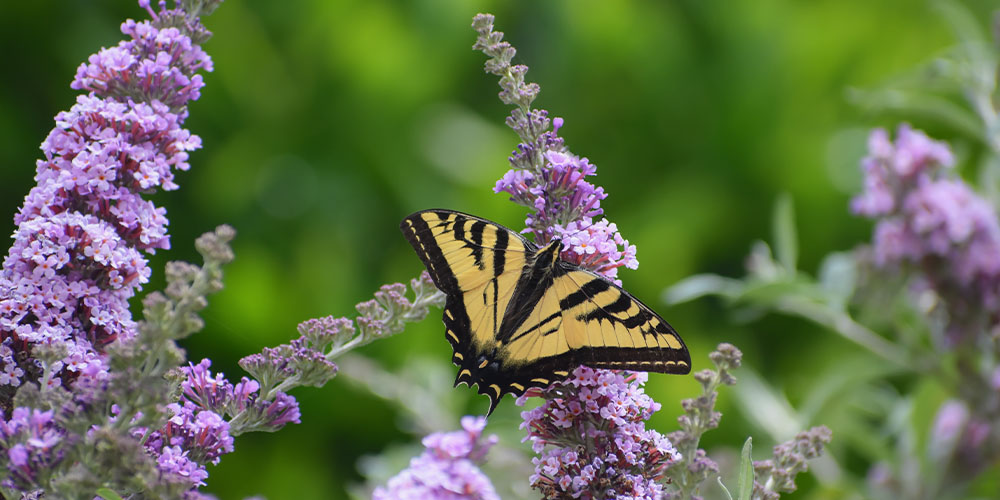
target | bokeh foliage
x=326, y=122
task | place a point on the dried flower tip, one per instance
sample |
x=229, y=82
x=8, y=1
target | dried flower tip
x=214, y=246
x=704, y=377
x=726, y=356
x=321, y=332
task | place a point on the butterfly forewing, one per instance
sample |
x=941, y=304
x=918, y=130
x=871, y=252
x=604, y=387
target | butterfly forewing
x=512, y=329
x=477, y=264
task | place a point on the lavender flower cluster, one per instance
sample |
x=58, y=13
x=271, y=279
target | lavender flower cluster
x=31, y=441
x=592, y=439
x=158, y=65
x=191, y=438
x=447, y=469
x=934, y=221
x=548, y=178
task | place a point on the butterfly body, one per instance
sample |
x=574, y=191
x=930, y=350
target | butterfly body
x=518, y=316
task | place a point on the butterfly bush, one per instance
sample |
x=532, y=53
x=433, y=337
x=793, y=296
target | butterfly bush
x=934, y=227
x=82, y=231
x=921, y=296
x=79, y=255
x=546, y=177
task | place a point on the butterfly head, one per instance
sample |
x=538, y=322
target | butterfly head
x=547, y=256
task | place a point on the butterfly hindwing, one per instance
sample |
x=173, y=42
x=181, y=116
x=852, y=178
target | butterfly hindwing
x=598, y=324
x=518, y=317
x=622, y=332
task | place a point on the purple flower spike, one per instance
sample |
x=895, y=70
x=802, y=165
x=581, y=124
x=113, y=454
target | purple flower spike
x=216, y=396
x=597, y=246
x=592, y=438
x=80, y=254
x=201, y=433
x=157, y=64
x=447, y=469
x=284, y=409
x=546, y=176
x=83, y=231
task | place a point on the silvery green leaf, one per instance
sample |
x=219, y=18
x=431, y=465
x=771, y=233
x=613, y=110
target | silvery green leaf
x=837, y=277
x=745, y=484
x=699, y=285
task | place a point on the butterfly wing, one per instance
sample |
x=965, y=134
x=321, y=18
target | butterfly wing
x=477, y=264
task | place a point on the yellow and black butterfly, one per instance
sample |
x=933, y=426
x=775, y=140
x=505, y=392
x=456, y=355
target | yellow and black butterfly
x=518, y=316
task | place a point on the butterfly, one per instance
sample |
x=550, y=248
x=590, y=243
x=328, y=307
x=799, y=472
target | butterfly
x=519, y=316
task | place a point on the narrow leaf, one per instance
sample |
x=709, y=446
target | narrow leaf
x=837, y=277
x=746, y=471
x=766, y=407
x=699, y=285
x=786, y=240
x=923, y=104
x=108, y=494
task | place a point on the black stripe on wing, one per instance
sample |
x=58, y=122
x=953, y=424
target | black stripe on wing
x=654, y=359
x=421, y=237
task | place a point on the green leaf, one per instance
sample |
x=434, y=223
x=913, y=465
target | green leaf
x=108, y=494
x=699, y=285
x=921, y=104
x=989, y=172
x=837, y=277
x=770, y=294
x=786, y=240
x=745, y=484
x=964, y=25
x=766, y=407
x=853, y=382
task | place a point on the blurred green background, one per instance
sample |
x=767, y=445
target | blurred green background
x=325, y=122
